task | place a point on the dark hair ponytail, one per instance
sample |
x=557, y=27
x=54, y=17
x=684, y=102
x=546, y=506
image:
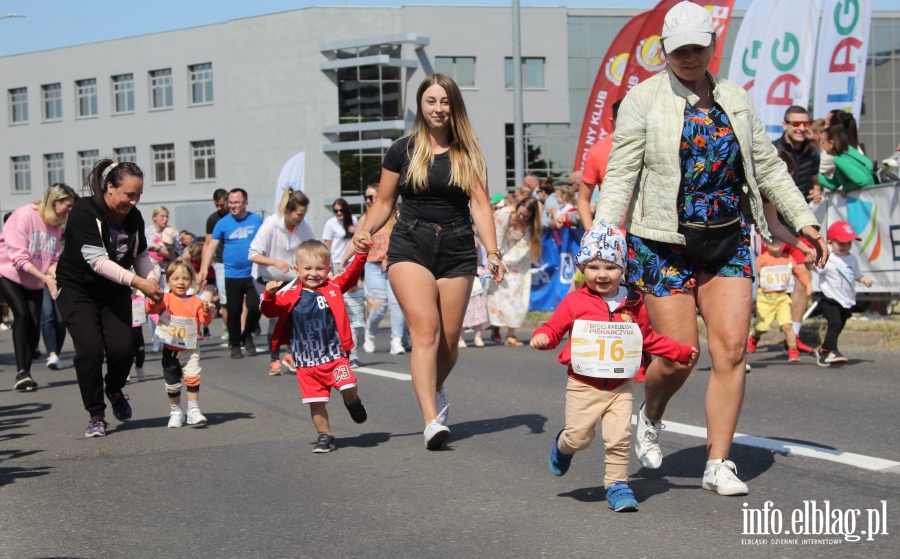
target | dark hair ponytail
x=96, y=181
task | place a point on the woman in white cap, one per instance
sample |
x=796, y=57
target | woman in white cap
x=703, y=158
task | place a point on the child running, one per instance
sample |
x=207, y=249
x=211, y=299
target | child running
x=180, y=317
x=772, y=301
x=837, y=282
x=610, y=339
x=313, y=322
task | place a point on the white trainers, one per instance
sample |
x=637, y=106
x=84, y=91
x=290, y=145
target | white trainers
x=369, y=344
x=142, y=376
x=176, y=417
x=646, y=442
x=435, y=435
x=461, y=343
x=722, y=478
x=443, y=406
x=53, y=362
x=195, y=418
x=397, y=347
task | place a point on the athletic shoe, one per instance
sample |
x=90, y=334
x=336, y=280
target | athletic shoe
x=442, y=401
x=646, y=442
x=620, y=497
x=397, y=347
x=354, y=362
x=96, y=427
x=559, y=462
x=236, y=353
x=275, y=368
x=258, y=330
x=722, y=478
x=128, y=379
x=36, y=353
x=225, y=335
x=479, y=342
x=369, y=344
x=357, y=410
x=156, y=347
x=206, y=335
x=5, y=326
x=249, y=346
x=24, y=382
x=142, y=376
x=461, y=343
x=120, y=406
x=288, y=362
x=821, y=358
x=793, y=355
x=751, y=346
x=324, y=444
x=747, y=368
x=195, y=418
x=835, y=358
x=176, y=417
x=435, y=435
x=802, y=347
x=53, y=362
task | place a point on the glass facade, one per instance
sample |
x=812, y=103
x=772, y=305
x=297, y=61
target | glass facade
x=548, y=149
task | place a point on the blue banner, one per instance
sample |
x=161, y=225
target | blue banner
x=550, y=281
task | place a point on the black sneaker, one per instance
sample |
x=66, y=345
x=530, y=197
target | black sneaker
x=96, y=427
x=357, y=410
x=236, y=353
x=24, y=382
x=324, y=444
x=835, y=358
x=120, y=406
x=249, y=346
x=821, y=358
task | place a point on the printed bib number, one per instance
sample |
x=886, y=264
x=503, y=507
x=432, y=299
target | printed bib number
x=138, y=313
x=775, y=278
x=606, y=349
x=177, y=331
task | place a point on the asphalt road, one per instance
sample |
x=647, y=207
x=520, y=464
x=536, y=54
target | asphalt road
x=249, y=486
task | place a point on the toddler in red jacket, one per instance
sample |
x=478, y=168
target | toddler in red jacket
x=610, y=341
x=313, y=323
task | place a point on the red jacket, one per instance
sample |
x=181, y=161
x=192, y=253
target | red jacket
x=585, y=304
x=281, y=304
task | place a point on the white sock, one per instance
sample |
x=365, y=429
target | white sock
x=711, y=463
x=193, y=404
x=797, y=326
x=176, y=407
x=647, y=419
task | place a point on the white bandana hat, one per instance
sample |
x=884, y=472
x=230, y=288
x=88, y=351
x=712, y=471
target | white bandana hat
x=602, y=241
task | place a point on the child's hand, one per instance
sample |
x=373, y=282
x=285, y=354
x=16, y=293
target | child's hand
x=694, y=353
x=273, y=286
x=540, y=341
x=372, y=302
x=205, y=306
x=865, y=281
x=809, y=290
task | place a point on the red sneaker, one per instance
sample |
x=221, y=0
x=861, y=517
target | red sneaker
x=639, y=377
x=751, y=344
x=803, y=348
x=793, y=355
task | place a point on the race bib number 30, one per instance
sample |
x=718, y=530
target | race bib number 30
x=606, y=349
x=177, y=331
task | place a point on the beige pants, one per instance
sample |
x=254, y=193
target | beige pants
x=585, y=406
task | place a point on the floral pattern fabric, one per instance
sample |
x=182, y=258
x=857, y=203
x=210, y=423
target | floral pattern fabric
x=712, y=174
x=508, y=300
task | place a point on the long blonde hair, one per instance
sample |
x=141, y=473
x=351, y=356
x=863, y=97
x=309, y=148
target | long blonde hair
x=292, y=199
x=57, y=191
x=467, y=166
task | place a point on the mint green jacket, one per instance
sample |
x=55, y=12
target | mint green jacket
x=852, y=172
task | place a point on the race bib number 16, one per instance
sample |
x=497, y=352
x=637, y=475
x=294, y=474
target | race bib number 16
x=606, y=349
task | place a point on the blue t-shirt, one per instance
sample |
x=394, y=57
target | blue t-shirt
x=236, y=237
x=314, y=335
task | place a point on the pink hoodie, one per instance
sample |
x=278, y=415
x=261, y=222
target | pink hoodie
x=28, y=239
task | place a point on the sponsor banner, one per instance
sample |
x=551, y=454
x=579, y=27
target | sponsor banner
x=841, y=64
x=291, y=176
x=785, y=70
x=749, y=41
x=551, y=279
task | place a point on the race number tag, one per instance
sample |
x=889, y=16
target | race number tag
x=138, y=313
x=775, y=278
x=177, y=331
x=606, y=349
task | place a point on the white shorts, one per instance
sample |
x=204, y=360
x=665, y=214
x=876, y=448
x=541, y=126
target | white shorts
x=220, y=281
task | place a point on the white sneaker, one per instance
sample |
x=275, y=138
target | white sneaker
x=142, y=376
x=369, y=344
x=176, y=417
x=397, y=347
x=461, y=343
x=443, y=406
x=646, y=442
x=722, y=478
x=53, y=362
x=435, y=435
x=195, y=418
x=5, y=326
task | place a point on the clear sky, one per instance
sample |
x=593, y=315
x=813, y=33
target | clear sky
x=60, y=23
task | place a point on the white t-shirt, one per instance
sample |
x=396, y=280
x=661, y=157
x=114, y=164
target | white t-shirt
x=838, y=280
x=619, y=298
x=334, y=232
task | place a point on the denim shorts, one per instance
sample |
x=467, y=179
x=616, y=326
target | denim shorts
x=445, y=250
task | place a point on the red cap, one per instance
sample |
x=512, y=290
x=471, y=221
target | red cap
x=842, y=232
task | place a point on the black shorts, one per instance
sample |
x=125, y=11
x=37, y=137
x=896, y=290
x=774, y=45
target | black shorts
x=446, y=250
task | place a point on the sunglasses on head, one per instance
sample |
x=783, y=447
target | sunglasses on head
x=370, y=198
x=798, y=123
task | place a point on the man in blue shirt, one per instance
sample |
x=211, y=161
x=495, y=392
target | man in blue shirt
x=236, y=230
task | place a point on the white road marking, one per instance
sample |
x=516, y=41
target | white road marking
x=383, y=373
x=790, y=448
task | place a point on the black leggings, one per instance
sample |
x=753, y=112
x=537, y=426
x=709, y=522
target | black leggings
x=25, y=305
x=235, y=290
x=137, y=341
x=98, y=326
x=836, y=316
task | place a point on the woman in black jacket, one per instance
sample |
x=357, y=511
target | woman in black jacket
x=104, y=238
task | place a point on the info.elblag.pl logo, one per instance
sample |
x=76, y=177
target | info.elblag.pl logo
x=814, y=524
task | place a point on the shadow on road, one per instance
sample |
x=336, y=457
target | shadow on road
x=366, y=440
x=9, y=475
x=468, y=429
x=18, y=416
x=212, y=418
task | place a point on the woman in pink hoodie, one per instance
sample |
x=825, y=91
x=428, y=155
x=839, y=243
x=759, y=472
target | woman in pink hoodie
x=29, y=250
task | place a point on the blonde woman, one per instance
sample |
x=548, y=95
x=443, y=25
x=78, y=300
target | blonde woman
x=29, y=251
x=518, y=232
x=440, y=171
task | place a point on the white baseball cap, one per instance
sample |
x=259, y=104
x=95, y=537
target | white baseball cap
x=687, y=24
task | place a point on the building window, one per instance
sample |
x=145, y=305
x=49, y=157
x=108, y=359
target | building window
x=362, y=167
x=86, y=97
x=201, y=79
x=370, y=93
x=54, y=167
x=549, y=150
x=204, y=156
x=18, y=105
x=52, y=101
x=460, y=68
x=532, y=72
x=21, y=170
x=123, y=93
x=163, y=163
x=161, y=89
x=125, y=155
x=86, y=161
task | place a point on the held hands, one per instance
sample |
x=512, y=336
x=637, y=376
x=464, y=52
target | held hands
x=205, y=306
x=151, y=289
x=362, y=241
x=818, y=242
x=694, y=354
x=273, y=286
x=540, y=341
x=201, y=278
x=498, y=269
x=808, y=252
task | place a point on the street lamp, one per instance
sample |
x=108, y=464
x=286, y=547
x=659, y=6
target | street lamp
x=12, y=15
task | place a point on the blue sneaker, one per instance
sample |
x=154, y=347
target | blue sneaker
x=620, y=497
x=96, y=427
x=120, y=406
x=559, y=462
